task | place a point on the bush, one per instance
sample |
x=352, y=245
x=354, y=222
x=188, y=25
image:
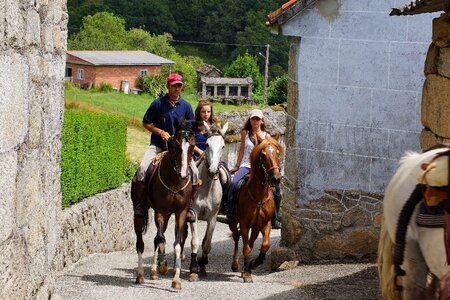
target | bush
x=152, y=84
x=92, y=155
x=105, y=87
x=277, y=91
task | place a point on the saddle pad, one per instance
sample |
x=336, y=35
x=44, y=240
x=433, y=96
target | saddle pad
x=431, y=216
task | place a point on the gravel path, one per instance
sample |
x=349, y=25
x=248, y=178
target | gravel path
x=111, y=276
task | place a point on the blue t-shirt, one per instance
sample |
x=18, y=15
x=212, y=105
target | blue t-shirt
x=200, y=142
x=162, y=115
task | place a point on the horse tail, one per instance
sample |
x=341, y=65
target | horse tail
x=385, y=262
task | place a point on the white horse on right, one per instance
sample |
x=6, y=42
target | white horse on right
x=424, y=260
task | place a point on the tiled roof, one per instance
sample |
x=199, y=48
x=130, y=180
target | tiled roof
x=121, y=58
x=421, y=6
x=287, y=11
x=205, y=68
x=226, y=80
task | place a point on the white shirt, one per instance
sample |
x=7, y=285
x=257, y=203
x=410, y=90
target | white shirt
x=248, y=147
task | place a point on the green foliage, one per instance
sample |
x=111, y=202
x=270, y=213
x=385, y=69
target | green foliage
x=246, y=66
x=153, y=85
x=102, y=31
x=277, y=91
x=105, y=87
x=92, y=155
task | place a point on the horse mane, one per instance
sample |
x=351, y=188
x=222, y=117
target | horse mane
x=183, y=125
x=257, y=150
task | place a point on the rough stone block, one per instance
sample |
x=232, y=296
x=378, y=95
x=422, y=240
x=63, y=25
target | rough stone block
x=441, y=31
x=432, y=59
x=8, y=172
x=33, y=32
x=14, y=101
x=15, y=23
x=436, y=105
x=428, y=139
x=443, y=63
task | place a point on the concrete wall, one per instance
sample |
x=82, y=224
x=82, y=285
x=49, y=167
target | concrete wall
x=32, y=57
x=355, y=88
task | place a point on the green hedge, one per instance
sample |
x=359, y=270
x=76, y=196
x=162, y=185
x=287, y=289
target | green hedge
x=93, y=156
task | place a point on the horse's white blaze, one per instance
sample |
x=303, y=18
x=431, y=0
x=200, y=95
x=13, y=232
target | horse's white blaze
x=214, y=152
x=184, y=158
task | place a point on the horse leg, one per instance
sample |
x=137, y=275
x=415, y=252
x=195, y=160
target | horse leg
x=264, y=246
x=180, y=218
x=414, y=282
x=206, y=246
x=159, y=261
x=235, y=265
x=193, y=268
x=138, y=227
x=247, y=250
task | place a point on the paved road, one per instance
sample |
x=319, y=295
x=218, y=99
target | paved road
x=111, y=276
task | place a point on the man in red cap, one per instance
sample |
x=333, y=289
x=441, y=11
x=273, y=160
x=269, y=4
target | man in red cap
x=159, y=120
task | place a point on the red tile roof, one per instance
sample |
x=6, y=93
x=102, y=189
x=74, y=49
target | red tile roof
x=287, y=11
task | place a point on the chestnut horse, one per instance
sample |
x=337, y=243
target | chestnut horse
x=256, y=205
x=169, y=192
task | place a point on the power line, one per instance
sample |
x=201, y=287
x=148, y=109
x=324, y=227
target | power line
x=211, y=43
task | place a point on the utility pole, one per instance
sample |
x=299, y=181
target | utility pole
x=266, y=74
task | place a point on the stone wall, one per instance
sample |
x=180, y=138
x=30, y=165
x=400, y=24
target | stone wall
x=436, y=89
x=101, y=223
x=354, y=90
x=33, y=42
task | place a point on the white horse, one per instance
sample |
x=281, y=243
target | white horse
x=208, y=199
x=424, y=250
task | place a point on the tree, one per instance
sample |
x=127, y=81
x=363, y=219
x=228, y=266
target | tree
x=246, y=66
x=102, y=31
x=277, y=92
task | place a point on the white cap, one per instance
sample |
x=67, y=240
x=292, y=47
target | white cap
x=256, y=113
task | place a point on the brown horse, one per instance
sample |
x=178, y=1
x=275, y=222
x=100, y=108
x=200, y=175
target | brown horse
x=256, y=205
x=169, y=192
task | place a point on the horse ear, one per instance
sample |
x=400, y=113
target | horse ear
x=224, y=129
x=208, y=129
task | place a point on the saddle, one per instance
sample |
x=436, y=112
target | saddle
x=153, y=167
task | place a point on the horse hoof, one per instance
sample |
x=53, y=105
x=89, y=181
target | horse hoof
x=153, y=275
x=193, y=277
x=139, y=279
x=202, y=272
x=235, y=266
x=176, y=285
x=247, y=277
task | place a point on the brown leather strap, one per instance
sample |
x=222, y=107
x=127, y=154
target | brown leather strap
x=447, y=235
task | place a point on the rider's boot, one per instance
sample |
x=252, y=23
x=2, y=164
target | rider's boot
x=191, y=213
x=138, y=195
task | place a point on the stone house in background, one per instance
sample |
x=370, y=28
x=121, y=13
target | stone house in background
x=118, y=68
x=212, y=86
x=354, y=98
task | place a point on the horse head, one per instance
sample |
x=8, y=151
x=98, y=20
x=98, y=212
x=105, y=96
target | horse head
x=266, y=160
x=215, y=144
x=181, y=147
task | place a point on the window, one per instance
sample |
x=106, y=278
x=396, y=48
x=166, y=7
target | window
x=233, y=91
x=244, y=91
x=68, y=72
x=221, y=90
x=210, y=90
x=144, y=72
x=80, y=74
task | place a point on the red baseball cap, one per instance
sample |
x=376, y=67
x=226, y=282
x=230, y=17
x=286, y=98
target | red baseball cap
x=174, y=78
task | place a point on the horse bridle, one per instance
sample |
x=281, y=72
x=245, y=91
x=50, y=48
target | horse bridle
x=185, y=134
x=267, y=171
